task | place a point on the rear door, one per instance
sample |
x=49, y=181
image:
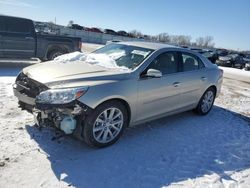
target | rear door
x=18, y=39
x=193, y=78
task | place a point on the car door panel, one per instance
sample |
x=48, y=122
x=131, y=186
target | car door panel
x=194, y=77
x=158, y=96
x=192, y=84
x=18, y=45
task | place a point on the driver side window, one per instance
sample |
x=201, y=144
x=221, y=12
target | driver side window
x=166, y=63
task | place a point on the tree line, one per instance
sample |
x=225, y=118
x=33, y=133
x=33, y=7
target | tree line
x=181, y=40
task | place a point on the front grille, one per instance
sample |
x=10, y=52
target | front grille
x=29, y=86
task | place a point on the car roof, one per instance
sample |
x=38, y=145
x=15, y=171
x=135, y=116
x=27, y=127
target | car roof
x=150, y=45
x=6, y=16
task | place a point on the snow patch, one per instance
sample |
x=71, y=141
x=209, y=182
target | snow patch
x=236, y=74
x=103, y=60
x=74, y=56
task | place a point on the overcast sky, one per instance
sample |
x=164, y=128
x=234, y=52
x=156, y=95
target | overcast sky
x=228, y=21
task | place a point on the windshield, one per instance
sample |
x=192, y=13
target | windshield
x=207, y=54
x=125, y=55
x=222, y=53
x=232, y=55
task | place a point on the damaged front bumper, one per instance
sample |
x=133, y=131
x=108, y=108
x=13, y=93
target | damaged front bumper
x=67, y=117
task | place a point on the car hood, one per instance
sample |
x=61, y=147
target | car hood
x=70, y=74
x=225, y=58
x=246, y=59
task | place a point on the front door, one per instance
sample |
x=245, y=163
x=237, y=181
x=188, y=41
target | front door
x=157, y=96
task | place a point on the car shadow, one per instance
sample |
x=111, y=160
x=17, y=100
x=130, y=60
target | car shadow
x=154, y=154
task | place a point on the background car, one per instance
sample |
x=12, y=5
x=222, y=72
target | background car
x=93, y=29
x=222, y=52
x=247, y=61
x=212, y=55
x=231, y=60
x=76, y=26
x=110, y=31
x=122, y=33
x=112, y=41
x=198, y=50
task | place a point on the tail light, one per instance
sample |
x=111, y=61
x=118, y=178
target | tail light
x=220, y=73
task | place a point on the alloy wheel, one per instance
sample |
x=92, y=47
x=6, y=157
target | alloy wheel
x=108, y=125
x=207, y=101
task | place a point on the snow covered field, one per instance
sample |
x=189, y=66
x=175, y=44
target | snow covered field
x=236, y=74
x=184, y=150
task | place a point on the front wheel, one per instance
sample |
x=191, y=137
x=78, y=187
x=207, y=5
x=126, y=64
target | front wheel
x=105, y=126
x=206, y=102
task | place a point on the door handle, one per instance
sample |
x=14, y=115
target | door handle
x=29, y=38
x=176, y=84
x=203, y=78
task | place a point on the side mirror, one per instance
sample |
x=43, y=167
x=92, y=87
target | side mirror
x=153, y=73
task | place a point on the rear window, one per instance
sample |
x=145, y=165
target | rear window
x=17, y=25
x=191, y=62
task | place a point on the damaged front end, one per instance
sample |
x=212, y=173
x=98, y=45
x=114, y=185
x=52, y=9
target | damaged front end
x=58, y=107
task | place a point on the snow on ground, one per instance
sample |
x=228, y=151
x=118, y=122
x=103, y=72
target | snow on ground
x=235, y=96
x=184, y=150
x=236, y=74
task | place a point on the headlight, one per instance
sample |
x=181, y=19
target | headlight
x=60, y=96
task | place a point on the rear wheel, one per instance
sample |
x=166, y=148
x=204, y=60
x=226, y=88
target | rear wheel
x=105, y=126
x=206, y=102
x=55, y=53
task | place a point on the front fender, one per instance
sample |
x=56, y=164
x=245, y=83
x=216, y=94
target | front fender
x=125, y=90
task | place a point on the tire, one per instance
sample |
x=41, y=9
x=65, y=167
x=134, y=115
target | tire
x=96, y=126
x=54, y=53
x=202, y=108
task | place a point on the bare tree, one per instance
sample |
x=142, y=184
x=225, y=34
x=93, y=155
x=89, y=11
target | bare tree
x=163, y=37
x=205, y=42
x=181, y=40
x=208, y=41
x=135, y=34
x=184, y=40
x=200, y=41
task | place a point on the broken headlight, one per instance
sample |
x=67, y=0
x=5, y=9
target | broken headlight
x=60, y=96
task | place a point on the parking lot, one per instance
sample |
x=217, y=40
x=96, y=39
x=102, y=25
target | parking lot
x=184, y=150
